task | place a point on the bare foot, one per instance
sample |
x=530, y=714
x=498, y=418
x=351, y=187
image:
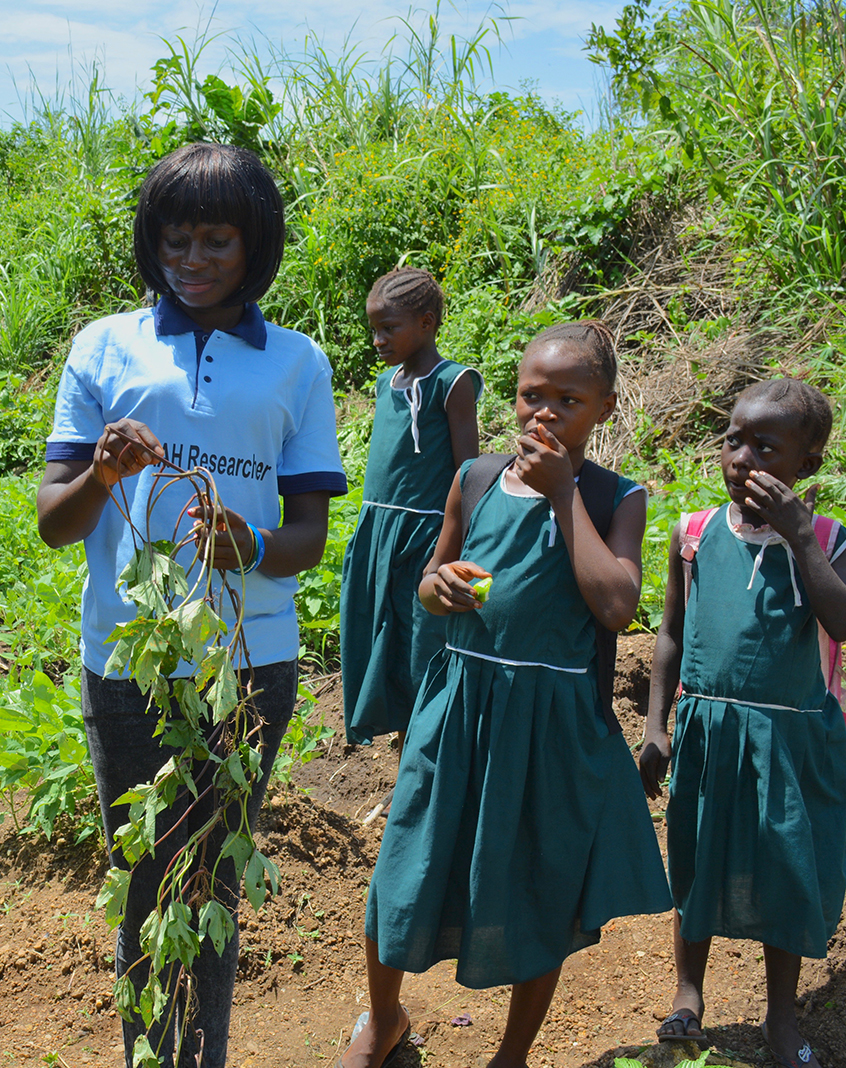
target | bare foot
x=378, y=1042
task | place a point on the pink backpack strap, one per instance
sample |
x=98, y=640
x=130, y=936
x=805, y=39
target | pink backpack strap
x=691, y=527
x=831, y=652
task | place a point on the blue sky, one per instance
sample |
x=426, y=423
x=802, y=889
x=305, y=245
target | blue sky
x=48, y=41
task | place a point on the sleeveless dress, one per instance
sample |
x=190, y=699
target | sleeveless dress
x=518, y=825
x=756, y=817
x=387, y=637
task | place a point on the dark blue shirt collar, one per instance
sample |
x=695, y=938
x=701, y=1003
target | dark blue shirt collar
x=169, y=318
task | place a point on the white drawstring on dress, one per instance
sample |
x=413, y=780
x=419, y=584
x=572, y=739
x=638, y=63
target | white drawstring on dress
x=776, y=539
x=415, y=399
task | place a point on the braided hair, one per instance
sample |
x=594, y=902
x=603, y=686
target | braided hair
x=811, y=408
x=410, y=288
x=597, y=339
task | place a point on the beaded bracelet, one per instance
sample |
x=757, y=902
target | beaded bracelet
x=258, y=549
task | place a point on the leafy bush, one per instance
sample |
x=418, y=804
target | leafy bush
x=319, y=597
x=691, y=487
x=44, y=754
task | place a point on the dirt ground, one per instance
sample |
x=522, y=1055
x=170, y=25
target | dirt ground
x=302, y=981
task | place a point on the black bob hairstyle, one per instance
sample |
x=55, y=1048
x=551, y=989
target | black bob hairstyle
x=212, y=184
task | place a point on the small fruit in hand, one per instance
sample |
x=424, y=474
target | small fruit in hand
x=483, y=588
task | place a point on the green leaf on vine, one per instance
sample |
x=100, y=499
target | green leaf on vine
x=184, y=774
x=120, y=655
x=132, y=838
x=198, y=624
x=254, y=879
x=124, y=991
x=158, y=654
x=182, y=735
x=272, y=873
x=152, y=577
x=160, y=696
x=181, y=941
x=216, y=923
x=254, y=886
x=150, y=939
x=250, y=759
x=143, y=1055
x=192, y=706
x=222, y=694
x=231, y=769
x=152, y=1001
x=240, y=848
x=113, y=895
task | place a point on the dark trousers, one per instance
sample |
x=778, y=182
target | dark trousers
x=125, y=753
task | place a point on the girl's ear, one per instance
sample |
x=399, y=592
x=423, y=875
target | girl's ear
x=428, y=320
x=810, y=465
x=608, y=406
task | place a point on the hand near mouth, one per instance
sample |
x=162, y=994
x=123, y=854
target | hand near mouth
x=776, y=504
x=543, y=463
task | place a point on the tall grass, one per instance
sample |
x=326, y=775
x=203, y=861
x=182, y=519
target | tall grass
x=756, y=91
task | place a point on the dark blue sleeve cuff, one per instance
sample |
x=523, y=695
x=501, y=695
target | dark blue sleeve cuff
x=70, y=450
x=332, y=482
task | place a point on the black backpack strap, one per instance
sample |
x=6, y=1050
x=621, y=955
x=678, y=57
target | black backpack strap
x=481, y=475
x=598, y=488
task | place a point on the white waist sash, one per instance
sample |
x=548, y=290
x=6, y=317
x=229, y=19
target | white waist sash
x=752, y=704
x=400, y=508
x=515, y=663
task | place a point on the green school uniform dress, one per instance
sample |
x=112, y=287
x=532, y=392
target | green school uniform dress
x=756, y=817
x=519, y=825
x=387, y=637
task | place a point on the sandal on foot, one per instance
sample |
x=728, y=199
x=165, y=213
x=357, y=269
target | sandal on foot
x=800, y=1060
x=687, y=1018
x=393, y=1052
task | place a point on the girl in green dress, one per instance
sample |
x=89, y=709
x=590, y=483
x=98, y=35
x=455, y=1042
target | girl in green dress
x=423, y=430
x=518, y=825
x=756, y=817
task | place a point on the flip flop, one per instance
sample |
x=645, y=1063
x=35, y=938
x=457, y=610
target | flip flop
x=392, y=1053
x=686, y=1017
x=802, y=1058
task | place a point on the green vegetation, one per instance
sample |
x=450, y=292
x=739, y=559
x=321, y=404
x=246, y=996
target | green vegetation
x=702, y=1061
x=704, y=221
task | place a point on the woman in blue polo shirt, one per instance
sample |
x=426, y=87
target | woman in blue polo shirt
x=200, y=378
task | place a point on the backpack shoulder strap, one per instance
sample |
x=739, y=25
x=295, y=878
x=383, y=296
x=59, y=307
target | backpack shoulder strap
x=481, y=475
x=691, y=526
x=826, y=530
x=831, y=652
x=597, y=488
